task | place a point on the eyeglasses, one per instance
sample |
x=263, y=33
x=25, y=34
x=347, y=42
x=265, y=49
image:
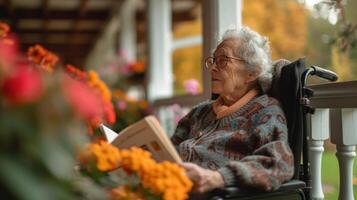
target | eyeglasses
x=220, y=61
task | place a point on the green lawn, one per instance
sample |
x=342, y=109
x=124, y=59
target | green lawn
x=330, y=176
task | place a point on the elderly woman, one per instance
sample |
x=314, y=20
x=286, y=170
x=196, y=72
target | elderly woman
x=241, y=137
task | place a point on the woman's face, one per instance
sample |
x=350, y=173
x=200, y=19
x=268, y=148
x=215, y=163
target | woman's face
x=232, y=78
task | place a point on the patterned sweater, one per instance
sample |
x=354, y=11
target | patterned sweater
x=249, y=147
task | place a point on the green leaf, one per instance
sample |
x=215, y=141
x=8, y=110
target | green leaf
x=21, y=181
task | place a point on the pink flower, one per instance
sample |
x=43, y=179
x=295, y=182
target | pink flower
x=86, y=103
x=191, y=86
x=126, y=69
x=121, y=105
x=23, y=85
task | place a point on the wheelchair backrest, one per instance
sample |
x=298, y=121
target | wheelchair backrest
x=287, y=88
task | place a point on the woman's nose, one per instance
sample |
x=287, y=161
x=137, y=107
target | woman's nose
x=214, y=67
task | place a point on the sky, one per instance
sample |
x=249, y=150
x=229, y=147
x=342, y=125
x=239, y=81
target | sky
x=330, y=15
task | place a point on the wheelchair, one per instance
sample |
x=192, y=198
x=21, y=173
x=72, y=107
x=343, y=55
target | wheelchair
x=289, y=86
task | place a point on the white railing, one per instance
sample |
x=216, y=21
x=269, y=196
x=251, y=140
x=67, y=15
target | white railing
x=335, y=117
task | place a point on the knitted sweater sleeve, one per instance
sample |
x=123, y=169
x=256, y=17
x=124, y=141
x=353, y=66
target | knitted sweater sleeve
x=182, y=130
x=271, y=162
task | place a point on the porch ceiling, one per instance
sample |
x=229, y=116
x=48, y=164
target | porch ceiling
x=71, y=27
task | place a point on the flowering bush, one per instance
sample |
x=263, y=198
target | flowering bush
x=134, y=68
x=149, y=180
x=45, y=114
x=121, y=70
x=39, y=132
x=128, y=110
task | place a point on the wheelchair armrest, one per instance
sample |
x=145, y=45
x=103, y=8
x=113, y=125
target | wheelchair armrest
x=229, y=192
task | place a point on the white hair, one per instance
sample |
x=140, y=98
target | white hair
x=255, y=51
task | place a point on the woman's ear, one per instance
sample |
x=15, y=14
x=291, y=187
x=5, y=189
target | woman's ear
x=251, y=76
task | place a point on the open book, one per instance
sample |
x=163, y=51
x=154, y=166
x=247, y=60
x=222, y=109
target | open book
x=147, y=134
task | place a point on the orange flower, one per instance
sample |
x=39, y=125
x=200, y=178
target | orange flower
x=107, y=156
x=167, y=179
x=143, y=104
x=125, y=193
x=135, y=160
x=76, y=72
x=4, y=29
x=49, y=61
x=120, y=95
x=36, y=53
x=138, y=67
x=41, y=56
x=95, y=82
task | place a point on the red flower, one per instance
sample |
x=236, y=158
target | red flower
x=86, y=103
x=109, y=113
x=22, y=86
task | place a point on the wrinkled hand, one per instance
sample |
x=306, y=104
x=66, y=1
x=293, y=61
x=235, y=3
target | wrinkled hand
x=203, y=179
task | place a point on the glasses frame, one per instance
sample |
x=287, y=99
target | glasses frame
x=214, y=61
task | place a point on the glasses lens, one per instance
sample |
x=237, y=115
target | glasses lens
x=221, y=61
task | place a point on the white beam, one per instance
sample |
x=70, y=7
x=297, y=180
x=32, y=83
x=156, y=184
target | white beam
x=186, y=42
x=127, y=36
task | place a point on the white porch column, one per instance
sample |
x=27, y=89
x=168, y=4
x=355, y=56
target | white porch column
x=218, y=16
x=320, y=129
x=160, y=81
x=346, y=141
x=127, y=30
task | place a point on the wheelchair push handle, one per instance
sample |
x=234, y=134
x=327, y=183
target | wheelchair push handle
x=324, y=73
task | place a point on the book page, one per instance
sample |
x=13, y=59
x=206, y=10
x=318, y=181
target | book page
x=149, y=135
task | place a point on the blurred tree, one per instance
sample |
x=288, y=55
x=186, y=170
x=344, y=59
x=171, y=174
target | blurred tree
x=187, y=61
x=341, y=63
x=343, y=38
x=318, y=48
x=284, y=22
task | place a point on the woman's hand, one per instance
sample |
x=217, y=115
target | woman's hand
x=203, y=179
